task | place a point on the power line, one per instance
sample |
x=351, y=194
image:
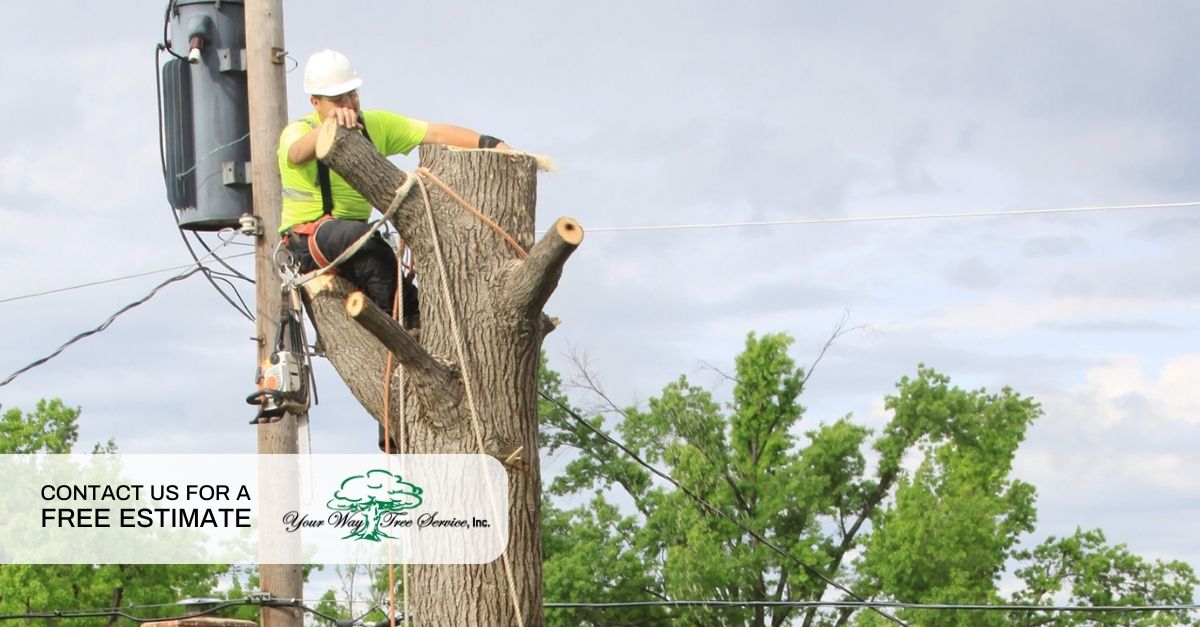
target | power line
x=299, y=604
x=895, y=218
x=103, y=325
x=114, y=613
x=676, y=227
x=706, y=505
x=245, y=311
x=896, y=605
x=103, y=281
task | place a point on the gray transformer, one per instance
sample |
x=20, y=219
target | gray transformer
x=206, y=118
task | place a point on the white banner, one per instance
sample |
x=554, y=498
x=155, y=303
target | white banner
x=250, y=509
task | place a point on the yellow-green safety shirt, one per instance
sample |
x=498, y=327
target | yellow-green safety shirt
x=391, y=133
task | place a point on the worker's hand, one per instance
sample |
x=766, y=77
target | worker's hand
x=345, y=116
x=503, y=146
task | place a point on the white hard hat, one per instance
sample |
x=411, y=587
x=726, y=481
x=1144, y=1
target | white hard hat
x=329, y=73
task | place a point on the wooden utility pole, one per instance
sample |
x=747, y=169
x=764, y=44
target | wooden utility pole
x=267, y=88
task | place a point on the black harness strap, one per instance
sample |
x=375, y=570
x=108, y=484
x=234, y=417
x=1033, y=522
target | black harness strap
x=323, y=176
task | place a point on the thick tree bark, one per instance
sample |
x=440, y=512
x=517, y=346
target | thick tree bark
x=490, y=300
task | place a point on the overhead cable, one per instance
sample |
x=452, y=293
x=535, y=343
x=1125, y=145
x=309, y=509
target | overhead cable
x=103, y=281
x=676, y=227
x=212, y=252
x=115, y=613
x=896, y=605
x=103, y=325
x=893, y=218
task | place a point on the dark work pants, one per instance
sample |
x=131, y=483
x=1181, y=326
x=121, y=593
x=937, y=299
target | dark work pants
x=372, y=269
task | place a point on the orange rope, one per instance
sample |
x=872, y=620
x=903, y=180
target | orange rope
x=387, y=450
x=478, y=214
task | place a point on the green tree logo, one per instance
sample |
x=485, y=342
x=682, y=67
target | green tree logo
x=373, y=495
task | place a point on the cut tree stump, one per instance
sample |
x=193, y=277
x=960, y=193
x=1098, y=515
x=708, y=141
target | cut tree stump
x=492, y=299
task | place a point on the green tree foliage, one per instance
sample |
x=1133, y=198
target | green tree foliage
x=925, y=512
x=809, y=495
x=955, y=520
x=329, y=606
x=52, y=428
x=1084, y=570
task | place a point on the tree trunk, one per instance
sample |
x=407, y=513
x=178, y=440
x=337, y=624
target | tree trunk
x=491, y=301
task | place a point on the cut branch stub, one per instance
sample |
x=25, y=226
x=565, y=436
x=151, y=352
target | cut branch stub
x=437, y=384
x=535, y=279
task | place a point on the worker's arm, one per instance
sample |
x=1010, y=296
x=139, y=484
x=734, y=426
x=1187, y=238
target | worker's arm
x=458, y=136
x=304, y=149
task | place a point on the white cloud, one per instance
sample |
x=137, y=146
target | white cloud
x=1126, y=392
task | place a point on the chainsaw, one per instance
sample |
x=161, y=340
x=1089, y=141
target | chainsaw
x=283, y=379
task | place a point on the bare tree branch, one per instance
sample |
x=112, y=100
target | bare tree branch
x=583, y=379
x=839, y=330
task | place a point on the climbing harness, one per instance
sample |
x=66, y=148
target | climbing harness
x=401, y=193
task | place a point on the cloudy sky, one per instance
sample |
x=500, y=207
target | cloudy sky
x=682, y=113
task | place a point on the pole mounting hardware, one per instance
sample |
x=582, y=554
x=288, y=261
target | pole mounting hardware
x=250, y=225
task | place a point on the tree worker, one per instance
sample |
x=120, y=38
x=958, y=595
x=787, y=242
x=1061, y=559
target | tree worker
x=322, y=214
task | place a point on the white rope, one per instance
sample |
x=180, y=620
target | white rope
x=897, y=218
x=462, y=360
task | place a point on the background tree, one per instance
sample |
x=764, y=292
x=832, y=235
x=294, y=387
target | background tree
x=52, y=428
x=1083, y=570
x=49, y=428
x=927, y=511
x=954, y=520
x=811, y=501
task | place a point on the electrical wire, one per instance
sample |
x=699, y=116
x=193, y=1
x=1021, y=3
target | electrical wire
x=1014, y=607
x=226, y=242
x=114, y=613
x=880, y=604
x=243, y=309
x=249, y=315
x=895, y=218
x=299, y=604
x=149, y=606
x=225, y=274
x=210, y=154
x=681, y=227
x=103, y=325
x=166, y=42
x=709, y=507
x=112, y=280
